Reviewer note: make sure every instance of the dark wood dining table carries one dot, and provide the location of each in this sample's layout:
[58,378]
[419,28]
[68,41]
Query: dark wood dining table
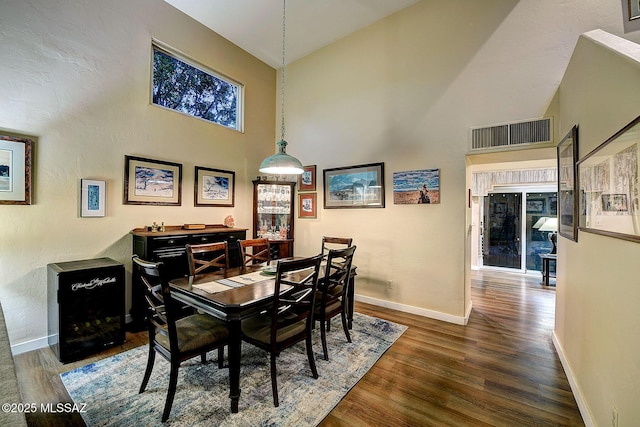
[231,305]
[234,304]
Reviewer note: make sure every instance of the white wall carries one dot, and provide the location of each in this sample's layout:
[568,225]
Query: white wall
[598,282]
[76,76]
[405,91]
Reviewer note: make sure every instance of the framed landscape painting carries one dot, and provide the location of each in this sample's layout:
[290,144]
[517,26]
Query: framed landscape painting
[610,186]
[360,186]
[416,187]
[214,187]
[15,170]
[152,182]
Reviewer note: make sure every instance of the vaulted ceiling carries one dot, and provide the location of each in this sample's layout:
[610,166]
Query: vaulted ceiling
[256,25]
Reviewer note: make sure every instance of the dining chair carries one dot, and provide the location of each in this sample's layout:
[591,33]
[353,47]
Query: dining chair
[175,338]
[289,319]
[329,243]
[207,256]
[332,298]
[255,251]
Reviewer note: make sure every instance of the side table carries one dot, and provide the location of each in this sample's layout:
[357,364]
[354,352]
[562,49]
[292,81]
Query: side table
[546,273]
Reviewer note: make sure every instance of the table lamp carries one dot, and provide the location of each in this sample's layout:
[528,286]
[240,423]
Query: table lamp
[551,225]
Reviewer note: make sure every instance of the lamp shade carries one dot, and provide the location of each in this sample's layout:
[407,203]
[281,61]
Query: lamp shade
[281,163]
[550,224]
[540,222]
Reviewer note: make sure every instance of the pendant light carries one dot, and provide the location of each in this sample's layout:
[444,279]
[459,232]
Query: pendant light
[281,163]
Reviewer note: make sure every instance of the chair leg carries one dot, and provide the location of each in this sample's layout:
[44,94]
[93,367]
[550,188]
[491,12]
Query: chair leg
[344,324]
[312,361]
[221,357]
[323,334]
[329,325]
[203,357]
[274,380]
[173,381]
[147,373]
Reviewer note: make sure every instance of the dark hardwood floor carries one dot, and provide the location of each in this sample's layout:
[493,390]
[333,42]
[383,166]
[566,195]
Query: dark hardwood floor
[500,369]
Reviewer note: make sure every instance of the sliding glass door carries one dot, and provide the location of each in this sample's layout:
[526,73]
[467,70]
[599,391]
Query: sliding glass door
[540,208]
[501,243]
[511,236]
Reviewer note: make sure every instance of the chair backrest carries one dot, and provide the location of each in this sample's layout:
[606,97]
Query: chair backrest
[255,251]
[207,256]
[161,308]
[329,243]
[337,273]
[298,305]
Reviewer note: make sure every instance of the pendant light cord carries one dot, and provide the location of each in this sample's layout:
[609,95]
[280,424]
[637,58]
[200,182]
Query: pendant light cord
[284,8]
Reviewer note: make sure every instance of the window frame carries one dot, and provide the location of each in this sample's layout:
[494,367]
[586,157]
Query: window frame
[174,53]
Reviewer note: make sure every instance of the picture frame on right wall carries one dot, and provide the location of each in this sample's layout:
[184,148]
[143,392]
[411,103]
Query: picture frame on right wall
[567,184]
[609,186]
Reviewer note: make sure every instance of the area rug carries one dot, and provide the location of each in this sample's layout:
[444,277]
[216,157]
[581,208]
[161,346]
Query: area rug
[109,388]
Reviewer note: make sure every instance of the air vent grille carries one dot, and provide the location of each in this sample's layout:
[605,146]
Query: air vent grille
[535,131]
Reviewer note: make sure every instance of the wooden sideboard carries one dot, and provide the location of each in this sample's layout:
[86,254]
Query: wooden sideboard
[168,246]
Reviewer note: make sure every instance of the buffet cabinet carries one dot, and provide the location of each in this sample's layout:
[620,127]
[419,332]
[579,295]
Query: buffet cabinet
[168,246]
[273,214]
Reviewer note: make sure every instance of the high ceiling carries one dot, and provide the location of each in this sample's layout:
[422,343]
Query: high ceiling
[256,25]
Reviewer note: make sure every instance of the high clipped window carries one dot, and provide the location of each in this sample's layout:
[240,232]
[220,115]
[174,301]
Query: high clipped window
[191,89]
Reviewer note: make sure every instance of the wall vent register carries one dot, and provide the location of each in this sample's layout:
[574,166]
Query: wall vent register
[528,132]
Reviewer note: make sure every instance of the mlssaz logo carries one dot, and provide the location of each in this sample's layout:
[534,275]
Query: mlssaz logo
[94,283]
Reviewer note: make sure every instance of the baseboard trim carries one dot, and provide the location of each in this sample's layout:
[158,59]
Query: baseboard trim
[42,342]
[30,346]
[432,314]
[575,389]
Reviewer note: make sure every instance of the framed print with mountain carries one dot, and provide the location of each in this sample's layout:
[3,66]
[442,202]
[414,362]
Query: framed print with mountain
[360,186]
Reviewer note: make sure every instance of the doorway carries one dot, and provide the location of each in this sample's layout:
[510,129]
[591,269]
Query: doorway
[510,234]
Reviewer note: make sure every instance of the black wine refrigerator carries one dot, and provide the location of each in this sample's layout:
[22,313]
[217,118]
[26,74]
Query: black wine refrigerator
[86,307]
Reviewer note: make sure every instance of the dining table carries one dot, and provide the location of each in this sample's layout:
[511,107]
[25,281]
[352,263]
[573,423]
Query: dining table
[233,295]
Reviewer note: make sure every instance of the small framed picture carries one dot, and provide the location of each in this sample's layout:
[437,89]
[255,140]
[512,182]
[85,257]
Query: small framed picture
[92,198]
[307,180]
[15,170]
[307,205]
[152,182]
[535,205]
[214,187]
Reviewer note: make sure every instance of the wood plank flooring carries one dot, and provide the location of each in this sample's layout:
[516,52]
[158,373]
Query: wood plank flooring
[499,370]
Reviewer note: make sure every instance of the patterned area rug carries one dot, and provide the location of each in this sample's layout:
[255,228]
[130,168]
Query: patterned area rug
[109,387]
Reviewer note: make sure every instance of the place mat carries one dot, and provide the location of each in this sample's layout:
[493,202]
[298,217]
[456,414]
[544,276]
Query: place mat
[246,279]
[212,287]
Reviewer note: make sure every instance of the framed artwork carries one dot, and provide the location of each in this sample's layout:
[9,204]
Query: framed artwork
[307,180]
[92,198]
[535,205]
[614,203]
[634,9]
[359,186]
[152,182]
[416,187]
[609,187]
[567,184]
[15,170]
[307,205]
[214,187]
